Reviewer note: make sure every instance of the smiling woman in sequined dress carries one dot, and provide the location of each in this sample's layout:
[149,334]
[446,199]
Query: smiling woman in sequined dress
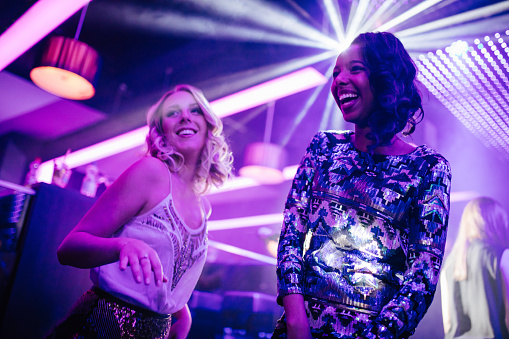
[366,218]
[145,239]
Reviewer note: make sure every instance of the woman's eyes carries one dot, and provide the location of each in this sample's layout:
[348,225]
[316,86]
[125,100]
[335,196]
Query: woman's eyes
[194,111]
[353,69]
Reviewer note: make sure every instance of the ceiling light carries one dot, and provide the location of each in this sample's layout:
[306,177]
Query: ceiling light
[68,67]
[40,19]
[264,161]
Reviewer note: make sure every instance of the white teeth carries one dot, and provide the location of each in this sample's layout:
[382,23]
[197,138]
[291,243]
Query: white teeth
[186,132]
[347,95]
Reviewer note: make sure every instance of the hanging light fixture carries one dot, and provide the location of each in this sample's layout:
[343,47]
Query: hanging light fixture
[264,161]
[68,67]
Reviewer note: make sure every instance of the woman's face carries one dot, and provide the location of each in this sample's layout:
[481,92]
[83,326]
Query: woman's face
[183,123]
[350,86]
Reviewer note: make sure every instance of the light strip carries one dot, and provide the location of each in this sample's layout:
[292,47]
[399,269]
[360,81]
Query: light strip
[252,97]
[16,188]
[242,252]
[408,14]
[257,220]
[37,22]
[269,91]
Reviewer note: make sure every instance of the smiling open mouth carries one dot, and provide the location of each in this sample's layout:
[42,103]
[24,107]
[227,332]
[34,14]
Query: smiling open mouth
[186,131]
[347,97]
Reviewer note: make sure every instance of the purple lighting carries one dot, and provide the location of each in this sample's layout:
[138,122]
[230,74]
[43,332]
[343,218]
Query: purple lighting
[469,80]
[286,85]
[42,18]
[269,91]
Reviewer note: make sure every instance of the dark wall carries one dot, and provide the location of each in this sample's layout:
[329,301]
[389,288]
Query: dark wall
[43,291]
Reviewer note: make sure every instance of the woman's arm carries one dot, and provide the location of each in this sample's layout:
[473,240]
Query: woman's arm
[181,327]
[446,316]
[90,243]
[428,227]
[504,267]
[294,229]
[291,243]
[296,319]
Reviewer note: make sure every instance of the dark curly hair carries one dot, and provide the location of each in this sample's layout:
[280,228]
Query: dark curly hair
[392,78]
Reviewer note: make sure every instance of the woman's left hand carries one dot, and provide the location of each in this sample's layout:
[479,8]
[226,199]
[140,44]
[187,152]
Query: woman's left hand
[180,328]
[143,260]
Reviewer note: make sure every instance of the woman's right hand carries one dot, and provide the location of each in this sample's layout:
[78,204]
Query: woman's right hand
[297,323]
[143,259]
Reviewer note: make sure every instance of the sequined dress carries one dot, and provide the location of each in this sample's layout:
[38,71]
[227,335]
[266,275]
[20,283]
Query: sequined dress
[363,237]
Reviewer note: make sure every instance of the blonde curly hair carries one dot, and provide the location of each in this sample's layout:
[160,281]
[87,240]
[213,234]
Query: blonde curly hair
[215,164]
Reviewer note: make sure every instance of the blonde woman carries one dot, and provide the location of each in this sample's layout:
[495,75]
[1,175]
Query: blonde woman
[145,239]
[474,279]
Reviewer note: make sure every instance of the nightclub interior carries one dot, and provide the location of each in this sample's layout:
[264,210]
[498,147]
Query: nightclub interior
[266,68]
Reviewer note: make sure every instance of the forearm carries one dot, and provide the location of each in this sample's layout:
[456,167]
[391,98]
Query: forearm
[182,325]
[296,318]
[84,250]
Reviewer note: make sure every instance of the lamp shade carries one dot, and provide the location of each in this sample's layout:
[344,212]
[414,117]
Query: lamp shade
[68,69]
[264,162]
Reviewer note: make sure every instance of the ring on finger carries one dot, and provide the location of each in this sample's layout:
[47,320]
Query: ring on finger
[144,257]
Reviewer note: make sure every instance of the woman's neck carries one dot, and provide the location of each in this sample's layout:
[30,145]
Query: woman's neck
[395,147]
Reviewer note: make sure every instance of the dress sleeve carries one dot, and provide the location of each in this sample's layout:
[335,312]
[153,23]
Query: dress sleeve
[428,230]
[294,229]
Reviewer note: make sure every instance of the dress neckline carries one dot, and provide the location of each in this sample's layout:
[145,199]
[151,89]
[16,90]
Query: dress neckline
[348,138]
[201,207]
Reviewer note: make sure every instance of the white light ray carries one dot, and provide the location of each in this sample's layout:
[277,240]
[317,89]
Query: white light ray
[370,23]
[353,25]
[306,107]
[329,108]
[334,16]
[457,19]
[242,252]
[167,22]
[408,14]
[268,15]
[258,75]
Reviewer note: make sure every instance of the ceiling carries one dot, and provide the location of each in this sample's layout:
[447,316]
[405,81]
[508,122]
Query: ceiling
[147,46]
[224,46]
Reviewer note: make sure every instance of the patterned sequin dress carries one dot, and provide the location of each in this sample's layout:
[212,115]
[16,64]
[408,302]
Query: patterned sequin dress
[363,238]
